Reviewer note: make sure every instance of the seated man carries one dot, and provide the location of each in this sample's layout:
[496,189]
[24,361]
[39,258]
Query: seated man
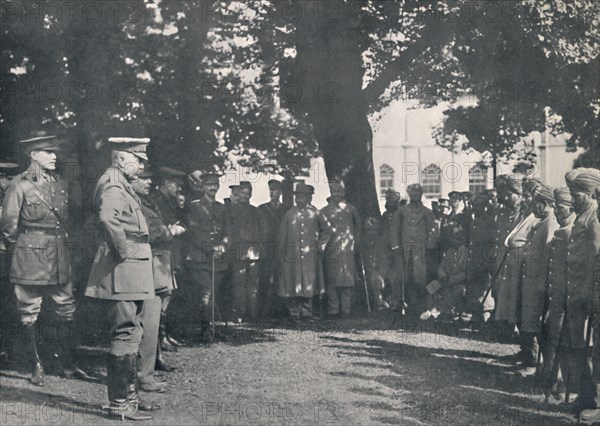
[446,293]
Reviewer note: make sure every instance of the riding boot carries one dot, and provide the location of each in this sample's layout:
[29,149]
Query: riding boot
[122,387]
[37,374]
[162,338]
[161,364]
[133,386]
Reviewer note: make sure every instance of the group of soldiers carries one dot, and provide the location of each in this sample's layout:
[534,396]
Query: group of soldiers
[522,255]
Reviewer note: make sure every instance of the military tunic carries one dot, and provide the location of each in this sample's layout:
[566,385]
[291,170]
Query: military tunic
[301,233]
[122,269]
[34,219]
[536,274]
[582,254]
[414,231]
[557,282]
[171,214]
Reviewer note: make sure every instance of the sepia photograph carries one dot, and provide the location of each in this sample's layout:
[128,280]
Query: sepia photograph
[300,212]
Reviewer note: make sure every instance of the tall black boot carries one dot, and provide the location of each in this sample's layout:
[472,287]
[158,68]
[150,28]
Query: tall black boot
[121,384]
[37,374]
[133,386]
[160,363]
[66,352]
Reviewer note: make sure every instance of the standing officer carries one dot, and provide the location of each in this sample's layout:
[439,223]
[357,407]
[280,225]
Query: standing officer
[165,201]
[392,268]
[246,230]
[160,237]
[122,271]
[206,239]
[413,232]
[34,220]
[272,214]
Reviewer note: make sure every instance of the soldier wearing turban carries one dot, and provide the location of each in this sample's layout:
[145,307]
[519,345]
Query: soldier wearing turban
[582,256]
[535,276]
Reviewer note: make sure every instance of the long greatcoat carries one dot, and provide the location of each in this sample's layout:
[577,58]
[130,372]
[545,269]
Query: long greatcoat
[302,233]
[557,282]
[41,257]
[582,256]
[536,273]
[122,269]
[339,265]
[161,241]
[508,301]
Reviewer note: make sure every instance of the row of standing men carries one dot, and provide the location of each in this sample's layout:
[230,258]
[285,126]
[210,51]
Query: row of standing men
[292,251]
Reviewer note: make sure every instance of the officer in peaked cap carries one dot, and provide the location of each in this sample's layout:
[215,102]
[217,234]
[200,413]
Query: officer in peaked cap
[34,220]
[204,246]
[122,273]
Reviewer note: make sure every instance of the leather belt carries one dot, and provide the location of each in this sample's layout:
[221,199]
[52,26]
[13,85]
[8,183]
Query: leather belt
[44,231]
[137,238]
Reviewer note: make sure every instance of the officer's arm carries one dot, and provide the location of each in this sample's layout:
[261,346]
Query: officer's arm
[157,231]
[11,209]
[111,207]
[325,231]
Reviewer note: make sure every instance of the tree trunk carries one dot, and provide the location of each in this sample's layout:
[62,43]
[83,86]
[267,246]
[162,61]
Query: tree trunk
[329,74]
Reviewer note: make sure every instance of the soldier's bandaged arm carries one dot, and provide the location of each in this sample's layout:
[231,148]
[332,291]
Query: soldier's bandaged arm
[111,207]
[11,211]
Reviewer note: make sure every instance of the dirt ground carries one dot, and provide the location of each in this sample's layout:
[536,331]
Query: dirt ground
[355,371]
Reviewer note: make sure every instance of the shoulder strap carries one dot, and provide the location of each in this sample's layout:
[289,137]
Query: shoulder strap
[41,197]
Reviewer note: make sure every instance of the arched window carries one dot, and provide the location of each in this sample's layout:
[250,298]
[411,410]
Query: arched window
[431,179]
[477,178]
[386,179]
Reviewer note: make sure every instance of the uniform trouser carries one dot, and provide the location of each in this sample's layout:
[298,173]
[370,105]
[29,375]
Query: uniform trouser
[165,299]
[590,380]
[150,320]
[530,347]
[415,278]
[299,306]
[202,281]
[125,319]
[477,285]
[266,289]
[339,300]
[376,286]
[29,301]
[245,289]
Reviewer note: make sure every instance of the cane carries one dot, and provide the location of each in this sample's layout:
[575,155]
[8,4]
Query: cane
[212,313]
[364,275]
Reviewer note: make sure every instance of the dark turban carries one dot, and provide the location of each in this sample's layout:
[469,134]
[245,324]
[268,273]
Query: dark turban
[509,183]
[562,197]
[543,192]
[415,187]
[583,179]
[529,184]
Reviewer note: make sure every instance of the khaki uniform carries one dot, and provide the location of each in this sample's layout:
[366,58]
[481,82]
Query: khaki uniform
[206,229]
[34,219]
[414,231]
[122,270]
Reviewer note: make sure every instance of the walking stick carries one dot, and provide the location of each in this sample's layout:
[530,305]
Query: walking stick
[364,276]
[493,278]
[212,313]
